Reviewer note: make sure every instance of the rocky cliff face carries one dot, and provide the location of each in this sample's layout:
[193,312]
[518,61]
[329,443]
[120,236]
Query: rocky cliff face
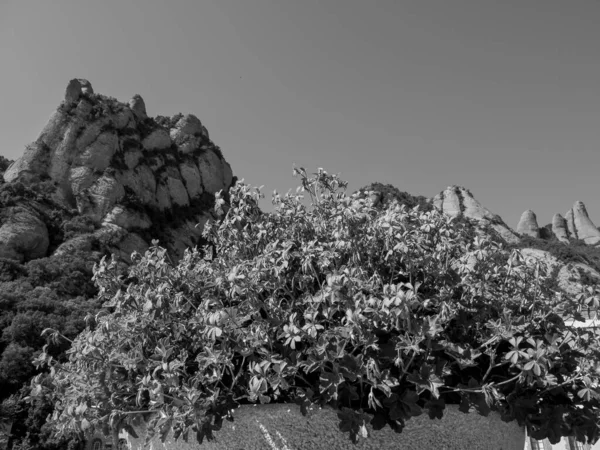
[458,201]
[133,176]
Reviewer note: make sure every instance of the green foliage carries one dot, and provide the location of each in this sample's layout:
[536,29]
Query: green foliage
[168,122]
[384,314]
[102,106]
[55,292]
[30,430]
[389,193]
[78,225]
[52,292]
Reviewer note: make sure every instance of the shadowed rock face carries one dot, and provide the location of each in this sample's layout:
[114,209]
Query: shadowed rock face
[528,224]
[458,201]
[109,161]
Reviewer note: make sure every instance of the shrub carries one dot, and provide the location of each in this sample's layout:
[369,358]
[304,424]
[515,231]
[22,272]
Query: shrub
[383,314]
[78,225]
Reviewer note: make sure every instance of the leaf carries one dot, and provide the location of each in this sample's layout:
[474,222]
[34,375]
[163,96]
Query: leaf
[427,381]
[130,430]
[379,421]
[435,408]
[328,384]
[353,422]
[304,403]
[164,430]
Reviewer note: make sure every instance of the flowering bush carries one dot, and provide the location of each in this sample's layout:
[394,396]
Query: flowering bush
[383,314]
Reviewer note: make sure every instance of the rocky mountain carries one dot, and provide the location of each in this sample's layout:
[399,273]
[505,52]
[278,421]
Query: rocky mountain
[101,178]
[576,225]
[131,176]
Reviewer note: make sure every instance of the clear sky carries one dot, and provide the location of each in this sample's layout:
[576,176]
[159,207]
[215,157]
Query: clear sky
[502,97]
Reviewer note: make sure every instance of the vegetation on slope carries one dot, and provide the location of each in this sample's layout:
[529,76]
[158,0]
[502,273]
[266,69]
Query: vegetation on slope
[576,251]
[388,193]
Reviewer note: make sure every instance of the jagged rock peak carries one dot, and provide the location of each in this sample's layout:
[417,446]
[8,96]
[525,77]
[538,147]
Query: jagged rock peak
[559,228]
[110,162]
[86,86]
[73,91]
[138,106]
[580,225]
[528,224]
[75,88]
[459,201]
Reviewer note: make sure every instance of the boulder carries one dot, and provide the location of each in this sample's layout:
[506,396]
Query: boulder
[191,177]
[528,224]
[163,198]
[177,190]
[188,134]
[158,139]
[97,156]
[23,234]
[214,174]
[189,124]
[559,228]
[124,118]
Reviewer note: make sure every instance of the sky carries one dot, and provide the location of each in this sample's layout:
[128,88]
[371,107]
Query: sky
[500,97]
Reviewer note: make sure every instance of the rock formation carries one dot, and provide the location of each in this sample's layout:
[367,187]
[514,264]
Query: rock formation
[559,228]
[528,224]
[110,162]
[581,226]
[138,106]
[458,201]
[73,91]
[86,86]
[570,220]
